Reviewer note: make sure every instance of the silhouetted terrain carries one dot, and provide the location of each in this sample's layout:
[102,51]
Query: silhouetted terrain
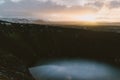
[32,43]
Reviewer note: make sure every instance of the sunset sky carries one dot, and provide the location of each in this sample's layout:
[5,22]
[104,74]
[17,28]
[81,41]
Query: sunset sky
[62,10]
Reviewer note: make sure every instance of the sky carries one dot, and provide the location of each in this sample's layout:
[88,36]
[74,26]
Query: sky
[62,10]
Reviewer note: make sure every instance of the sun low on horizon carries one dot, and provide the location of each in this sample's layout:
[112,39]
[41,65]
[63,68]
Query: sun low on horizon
[62,10]
[85,18]
[72,17]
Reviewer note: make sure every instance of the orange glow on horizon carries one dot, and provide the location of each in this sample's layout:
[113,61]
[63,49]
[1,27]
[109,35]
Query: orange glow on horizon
[86,18]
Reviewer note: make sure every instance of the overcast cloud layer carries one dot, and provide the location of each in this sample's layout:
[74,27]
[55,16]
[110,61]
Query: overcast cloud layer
[46,9]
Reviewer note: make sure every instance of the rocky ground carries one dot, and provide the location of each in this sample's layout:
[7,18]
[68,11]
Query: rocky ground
[12,68]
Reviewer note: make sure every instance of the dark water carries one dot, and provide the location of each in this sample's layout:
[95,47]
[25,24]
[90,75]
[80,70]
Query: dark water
[75,70]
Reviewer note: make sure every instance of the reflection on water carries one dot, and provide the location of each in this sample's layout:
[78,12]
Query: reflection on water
[75,70]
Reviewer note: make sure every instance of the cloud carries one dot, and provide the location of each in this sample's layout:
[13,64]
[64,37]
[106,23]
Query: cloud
[71,3]
[114,4]
[6,1]
[45,8]
[16,0]
[85,3]
[2,1]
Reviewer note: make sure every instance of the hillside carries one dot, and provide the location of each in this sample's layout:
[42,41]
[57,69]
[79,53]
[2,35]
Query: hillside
[35,42]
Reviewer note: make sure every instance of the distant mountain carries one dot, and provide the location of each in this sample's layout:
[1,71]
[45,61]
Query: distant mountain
[2,21]
[5,23]
[17,20]
[23,20]
[101,26]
